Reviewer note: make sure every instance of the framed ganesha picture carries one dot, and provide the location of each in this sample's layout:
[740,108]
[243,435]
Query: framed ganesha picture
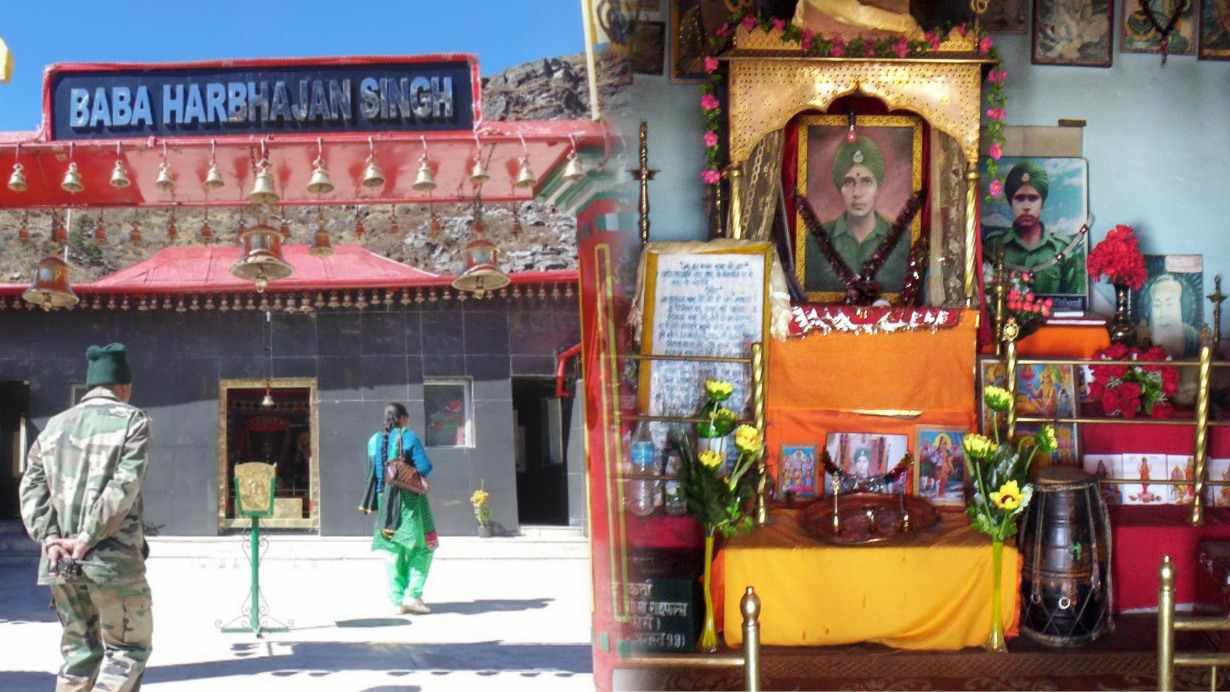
[856,186]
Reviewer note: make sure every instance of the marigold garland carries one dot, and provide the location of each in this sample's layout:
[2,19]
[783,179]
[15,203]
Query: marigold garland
[835,46]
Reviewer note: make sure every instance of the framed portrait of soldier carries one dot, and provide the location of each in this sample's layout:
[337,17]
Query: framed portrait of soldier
[1168,310]
[1214,43]
[1035,215]
[857,187]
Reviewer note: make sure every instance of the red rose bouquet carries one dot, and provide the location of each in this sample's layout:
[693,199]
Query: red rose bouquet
[1130,390]
[1118,258]
[1020,303]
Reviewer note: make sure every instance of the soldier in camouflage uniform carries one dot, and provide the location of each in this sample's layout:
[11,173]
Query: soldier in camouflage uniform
[1029,245]
[81,500]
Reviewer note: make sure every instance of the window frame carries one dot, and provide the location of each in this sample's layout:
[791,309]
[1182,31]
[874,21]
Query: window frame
[467,388]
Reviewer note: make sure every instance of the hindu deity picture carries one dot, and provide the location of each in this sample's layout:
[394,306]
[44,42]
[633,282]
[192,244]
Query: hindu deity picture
[1042,390]
[1168,309]
[1214,30]
[1145,467]
[1140,36]
[1218,495]
[797,471]
[1179,468]
[1106,467]
[939,467]
[1073,32]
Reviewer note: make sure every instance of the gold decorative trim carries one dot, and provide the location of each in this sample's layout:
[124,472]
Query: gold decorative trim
[224,482]
[766,94]
[759,40]
[801,234]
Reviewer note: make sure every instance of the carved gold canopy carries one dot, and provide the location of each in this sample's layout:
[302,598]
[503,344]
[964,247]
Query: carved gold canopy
[771,81]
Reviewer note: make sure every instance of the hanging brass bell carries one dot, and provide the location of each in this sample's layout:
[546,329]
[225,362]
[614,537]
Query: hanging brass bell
[482,273]
[424,180]
[478,173]
[320,184]
[164,181]
[322,243]
[525,175]
[72,179]
[213,177]
[267,401]
[51,288]
[373,177]
[262,187]
[262,257]
[17,179]
[119,175]
[573,170]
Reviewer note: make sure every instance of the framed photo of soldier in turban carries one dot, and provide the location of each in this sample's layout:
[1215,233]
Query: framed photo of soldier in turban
[1036,214]
[856,187]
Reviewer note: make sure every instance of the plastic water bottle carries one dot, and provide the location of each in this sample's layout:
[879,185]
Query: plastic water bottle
[676,502]
[641,493]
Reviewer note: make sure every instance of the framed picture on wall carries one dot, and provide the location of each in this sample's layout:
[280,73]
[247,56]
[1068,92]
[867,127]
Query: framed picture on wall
[796,472]
[1073,32]
[1214,42]
[1006,17]
[1037,221]
[939,465]
[1043,390]
[648,48]
[1168,309]
[856,189]
[1140,36]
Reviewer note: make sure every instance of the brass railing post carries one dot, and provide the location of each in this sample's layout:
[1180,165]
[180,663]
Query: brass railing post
[1000,288]
[734,227]
[1202,425]
[758,401]
[971,231]
[1011,330]
[749,605]
[1165,626]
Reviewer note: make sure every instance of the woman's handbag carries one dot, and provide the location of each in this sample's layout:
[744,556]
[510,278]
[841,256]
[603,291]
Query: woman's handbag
[403,475]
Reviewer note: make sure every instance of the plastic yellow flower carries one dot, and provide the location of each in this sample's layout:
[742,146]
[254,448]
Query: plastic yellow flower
[711,458]
[997,398]
[723,415]
[479,498]
[747,439]
[718,390]
[978,446]
[1008,496]
[1047,442]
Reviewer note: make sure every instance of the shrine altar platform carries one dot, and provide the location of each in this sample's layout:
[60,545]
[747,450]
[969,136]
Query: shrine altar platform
[932,591]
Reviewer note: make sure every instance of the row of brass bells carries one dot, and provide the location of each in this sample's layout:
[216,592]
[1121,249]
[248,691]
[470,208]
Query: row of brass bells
[263,191]
[51,288]
[262,257]
[320,183]
[478,173]
[213,177]
[164,181]
[424,180]
[525,175]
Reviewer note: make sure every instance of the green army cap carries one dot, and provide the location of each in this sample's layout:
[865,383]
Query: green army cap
[1026,173]
[861,150]
[107,365]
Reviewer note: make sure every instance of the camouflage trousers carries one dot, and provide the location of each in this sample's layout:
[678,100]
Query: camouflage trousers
[108,632]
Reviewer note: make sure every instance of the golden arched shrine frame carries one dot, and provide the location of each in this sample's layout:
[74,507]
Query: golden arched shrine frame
[771,81]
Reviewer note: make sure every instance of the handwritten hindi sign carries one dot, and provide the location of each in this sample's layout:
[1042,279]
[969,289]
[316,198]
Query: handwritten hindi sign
[703,304]
[663,614]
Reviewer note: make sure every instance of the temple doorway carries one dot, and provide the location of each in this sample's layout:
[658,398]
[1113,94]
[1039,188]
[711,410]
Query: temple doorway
[540,427]
[14,408]
[275,424]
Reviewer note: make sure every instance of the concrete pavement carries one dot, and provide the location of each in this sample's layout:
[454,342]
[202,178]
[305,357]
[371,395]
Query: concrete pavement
[509,613]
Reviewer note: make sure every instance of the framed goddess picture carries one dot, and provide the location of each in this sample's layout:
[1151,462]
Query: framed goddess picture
[856,189]
[939,465]
[1036,217]
[796,471]
[1073,32]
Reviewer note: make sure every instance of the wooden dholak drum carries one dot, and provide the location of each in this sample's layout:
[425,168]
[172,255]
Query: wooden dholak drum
[1067,597]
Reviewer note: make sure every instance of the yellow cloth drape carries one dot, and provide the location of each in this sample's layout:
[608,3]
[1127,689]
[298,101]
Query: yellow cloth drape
[931,593]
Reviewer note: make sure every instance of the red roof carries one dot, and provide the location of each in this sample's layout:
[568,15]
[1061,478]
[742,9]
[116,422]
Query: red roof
[207,269]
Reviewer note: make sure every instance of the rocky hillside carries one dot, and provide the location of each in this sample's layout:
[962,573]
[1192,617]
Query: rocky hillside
[548,89]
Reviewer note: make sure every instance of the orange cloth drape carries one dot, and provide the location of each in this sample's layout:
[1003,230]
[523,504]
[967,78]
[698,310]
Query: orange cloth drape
[932,593]
[1064,341]
[816,382]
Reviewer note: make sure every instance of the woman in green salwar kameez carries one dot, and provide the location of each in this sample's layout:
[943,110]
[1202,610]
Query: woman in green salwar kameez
[405,529]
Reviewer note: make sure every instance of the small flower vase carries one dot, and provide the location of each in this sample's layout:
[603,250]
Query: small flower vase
[708,634]
[1120,326]
[484,530]
[995,642]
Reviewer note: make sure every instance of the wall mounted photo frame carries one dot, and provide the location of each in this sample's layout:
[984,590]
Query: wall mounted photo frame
[879,172]
[647,49]
[1079,33]
[1139,36]
[1214,37]
[1006,17]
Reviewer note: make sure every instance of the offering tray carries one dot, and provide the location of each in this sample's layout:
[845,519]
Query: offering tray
[864,518]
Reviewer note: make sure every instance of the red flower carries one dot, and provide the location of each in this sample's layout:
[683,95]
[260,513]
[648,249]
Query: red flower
[1163,411]
[1129,407]
[711,176]
[984,46]
[869,48]
[933,40]
[901,47]
[1096,389]
[749,22]
[963,29]
[1118,258]
[1110,402]
[723,31]
[779,24]
[996,188]
[1114,352]
[1155,353]
[1129,390]
[1170,380]
[805,41]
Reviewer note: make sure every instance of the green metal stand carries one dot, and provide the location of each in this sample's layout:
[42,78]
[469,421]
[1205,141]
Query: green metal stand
[258,621]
